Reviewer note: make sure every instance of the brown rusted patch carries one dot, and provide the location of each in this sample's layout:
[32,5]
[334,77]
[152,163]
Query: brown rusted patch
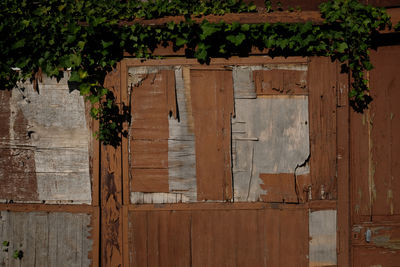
[280,82]
[152,101]
[282,187]
[212,104]
[17,158]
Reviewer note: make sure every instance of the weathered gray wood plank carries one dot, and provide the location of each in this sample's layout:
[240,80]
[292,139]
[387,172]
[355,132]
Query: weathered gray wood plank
[322,231]
[48,130]
[269,135]
[46,239]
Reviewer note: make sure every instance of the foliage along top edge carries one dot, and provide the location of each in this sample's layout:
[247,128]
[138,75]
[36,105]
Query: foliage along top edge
[87,37]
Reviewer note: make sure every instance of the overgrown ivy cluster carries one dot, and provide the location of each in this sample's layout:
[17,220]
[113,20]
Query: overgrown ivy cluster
[90,37]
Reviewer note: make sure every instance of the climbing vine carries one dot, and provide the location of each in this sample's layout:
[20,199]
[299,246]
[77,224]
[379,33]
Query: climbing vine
[90,37]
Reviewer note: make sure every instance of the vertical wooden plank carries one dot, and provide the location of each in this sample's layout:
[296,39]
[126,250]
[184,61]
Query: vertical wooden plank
[212,104]
[138,233]
[385,131]
[125,99]
[149,129]
[179,232]
[343,169]
[293,237]
[249,240]
[213,235]
[322,110]
[94,253]
[111,190]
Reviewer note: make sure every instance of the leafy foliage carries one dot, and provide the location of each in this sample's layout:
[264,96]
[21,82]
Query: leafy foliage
[89,37]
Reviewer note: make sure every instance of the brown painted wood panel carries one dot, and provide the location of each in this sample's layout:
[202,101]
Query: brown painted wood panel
[375,146]
[385,131]
[212,105]
[152,101]
[370,256]
[322,82]
[280,82]
[284,187]
[222,237]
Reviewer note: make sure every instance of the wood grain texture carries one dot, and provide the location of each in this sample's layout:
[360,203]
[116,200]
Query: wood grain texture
[385,131]
[269,135]
[284,187]
[343,170]
[181,142]
[153,98]
[48,134]
[46,239]
[323,236]
[17,157]
[322,82]
[111,190]
[223,237]
[212,104]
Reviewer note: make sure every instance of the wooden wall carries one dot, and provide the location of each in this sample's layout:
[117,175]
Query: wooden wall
[46,177]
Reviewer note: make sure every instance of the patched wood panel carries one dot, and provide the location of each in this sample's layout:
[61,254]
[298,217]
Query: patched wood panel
[46,239]
[181,142]
[45,137]
[271,136]
[222,237]
[284,187]
[152,101]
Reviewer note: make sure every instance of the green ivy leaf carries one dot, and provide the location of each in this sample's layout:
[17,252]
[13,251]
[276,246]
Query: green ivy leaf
[236,39]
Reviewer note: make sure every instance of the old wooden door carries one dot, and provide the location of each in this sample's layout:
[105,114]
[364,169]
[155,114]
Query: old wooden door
[375,167]
[228,164]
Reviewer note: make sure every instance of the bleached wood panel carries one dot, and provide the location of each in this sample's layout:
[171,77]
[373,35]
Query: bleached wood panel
[269,135]
[47,129]
[46,239]
[322,231]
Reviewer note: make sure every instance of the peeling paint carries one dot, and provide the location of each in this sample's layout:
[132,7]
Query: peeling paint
[58,136]
[389,200]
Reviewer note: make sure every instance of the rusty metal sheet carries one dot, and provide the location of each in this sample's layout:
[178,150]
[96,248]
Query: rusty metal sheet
[212,105]
[280,82]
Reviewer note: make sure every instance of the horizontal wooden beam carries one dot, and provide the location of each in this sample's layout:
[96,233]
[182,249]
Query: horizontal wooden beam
[252,18]
[313,205]
[27,207]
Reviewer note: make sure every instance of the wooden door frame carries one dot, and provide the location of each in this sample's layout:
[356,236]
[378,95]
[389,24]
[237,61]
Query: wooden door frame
[114,215]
